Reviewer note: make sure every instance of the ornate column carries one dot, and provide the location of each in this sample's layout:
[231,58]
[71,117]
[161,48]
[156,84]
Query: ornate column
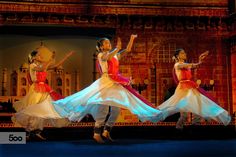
[233,74]
[233,66]
[4,82]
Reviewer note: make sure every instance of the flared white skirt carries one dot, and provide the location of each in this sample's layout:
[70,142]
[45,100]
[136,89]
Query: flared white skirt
[37,116]
[191,100]
[104,91]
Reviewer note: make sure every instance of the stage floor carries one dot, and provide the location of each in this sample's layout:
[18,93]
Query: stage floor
[123,148]
[138,140]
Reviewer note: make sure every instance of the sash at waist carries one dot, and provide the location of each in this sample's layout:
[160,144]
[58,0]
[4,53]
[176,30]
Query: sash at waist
[187,84]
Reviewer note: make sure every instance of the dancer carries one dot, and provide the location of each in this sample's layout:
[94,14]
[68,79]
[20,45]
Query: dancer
[188,97]
[103,124]
[111,89]
[40,60]
[34,110]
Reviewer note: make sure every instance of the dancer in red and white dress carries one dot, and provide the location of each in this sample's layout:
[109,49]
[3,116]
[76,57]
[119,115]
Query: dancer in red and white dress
[188,97]
[35,110]
[112,89]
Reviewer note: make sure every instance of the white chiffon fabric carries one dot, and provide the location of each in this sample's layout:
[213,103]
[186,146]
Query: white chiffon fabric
[37,116]
[104,91]
[191,100]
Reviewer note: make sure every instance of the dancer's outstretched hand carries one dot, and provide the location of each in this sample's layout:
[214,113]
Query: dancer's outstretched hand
[133,36]
[118,45]
[70,53]
[203,56]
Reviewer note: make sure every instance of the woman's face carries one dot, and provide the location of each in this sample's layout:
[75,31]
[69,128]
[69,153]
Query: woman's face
[182,55]
[106,45]
[37,57]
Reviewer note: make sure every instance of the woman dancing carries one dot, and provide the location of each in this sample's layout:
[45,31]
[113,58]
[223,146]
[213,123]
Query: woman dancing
[112,89]
[188,97]
[35,109]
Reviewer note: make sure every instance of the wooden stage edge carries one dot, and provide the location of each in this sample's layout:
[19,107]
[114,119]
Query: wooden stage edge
[123,124]
[138,130]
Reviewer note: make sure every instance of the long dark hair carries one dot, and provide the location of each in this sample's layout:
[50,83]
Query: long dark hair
[100,43]
[31,56]
[177,51]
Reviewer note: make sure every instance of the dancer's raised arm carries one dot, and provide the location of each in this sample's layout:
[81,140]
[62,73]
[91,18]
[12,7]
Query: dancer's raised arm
[52,66]
[130,44]
[182,64]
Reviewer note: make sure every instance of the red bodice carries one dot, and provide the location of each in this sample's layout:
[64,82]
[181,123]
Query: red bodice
[113,71]
[41,76]
[185,79]
[40,84]
[185,74]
